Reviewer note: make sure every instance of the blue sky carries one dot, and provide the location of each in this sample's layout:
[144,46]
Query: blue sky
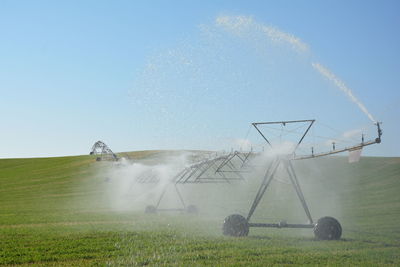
[163,75]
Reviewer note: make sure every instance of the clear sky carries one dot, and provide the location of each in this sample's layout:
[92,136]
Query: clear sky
[185,75]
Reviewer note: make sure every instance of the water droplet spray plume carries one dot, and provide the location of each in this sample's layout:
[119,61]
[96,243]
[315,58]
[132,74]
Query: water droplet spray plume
[342,86]
[240,24]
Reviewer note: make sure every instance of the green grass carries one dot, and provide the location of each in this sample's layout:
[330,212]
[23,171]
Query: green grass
[54,211]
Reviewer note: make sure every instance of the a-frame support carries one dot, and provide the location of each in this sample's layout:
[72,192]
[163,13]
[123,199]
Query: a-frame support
[179,196]
[287,165]
[268,177]
[326,228]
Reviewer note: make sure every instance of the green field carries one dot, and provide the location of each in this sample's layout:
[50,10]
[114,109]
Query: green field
[56,211]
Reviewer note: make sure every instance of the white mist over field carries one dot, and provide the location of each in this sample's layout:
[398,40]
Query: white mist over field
[134,185]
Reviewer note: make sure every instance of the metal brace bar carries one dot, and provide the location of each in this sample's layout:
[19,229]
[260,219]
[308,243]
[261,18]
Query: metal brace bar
[180,197]
[269,175]
[296,185]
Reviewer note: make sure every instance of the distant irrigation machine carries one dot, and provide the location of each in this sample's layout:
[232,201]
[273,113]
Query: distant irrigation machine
[103,152]
[326,228]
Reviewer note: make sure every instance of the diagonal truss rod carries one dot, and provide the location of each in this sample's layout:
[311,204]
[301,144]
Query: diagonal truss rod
[305,133]
[255,124]
[269,176]
[296,185]
[263,136]
[177,192]
[246,158]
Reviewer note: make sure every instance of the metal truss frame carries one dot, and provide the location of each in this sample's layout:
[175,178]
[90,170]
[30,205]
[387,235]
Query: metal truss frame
[100,148]
[286,162]
[220,169]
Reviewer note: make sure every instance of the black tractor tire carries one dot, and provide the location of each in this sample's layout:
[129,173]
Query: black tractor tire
[328,228]
[235,225]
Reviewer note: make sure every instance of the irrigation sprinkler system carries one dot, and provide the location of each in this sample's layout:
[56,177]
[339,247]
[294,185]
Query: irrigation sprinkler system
[326,228]
[103,152]
[235,166]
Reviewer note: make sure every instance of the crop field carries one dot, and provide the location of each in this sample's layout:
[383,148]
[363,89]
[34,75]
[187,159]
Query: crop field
[57,211]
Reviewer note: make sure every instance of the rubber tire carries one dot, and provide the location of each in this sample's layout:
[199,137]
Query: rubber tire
[150,210]
[191,209]
[328,228]
[235,225]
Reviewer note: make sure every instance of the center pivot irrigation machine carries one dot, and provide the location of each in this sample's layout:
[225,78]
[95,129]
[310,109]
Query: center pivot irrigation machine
[326,228]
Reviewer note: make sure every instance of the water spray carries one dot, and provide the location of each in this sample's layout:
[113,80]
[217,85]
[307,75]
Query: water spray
[240,25]
[342,86]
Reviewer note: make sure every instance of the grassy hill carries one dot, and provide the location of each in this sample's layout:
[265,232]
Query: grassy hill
[57,211]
